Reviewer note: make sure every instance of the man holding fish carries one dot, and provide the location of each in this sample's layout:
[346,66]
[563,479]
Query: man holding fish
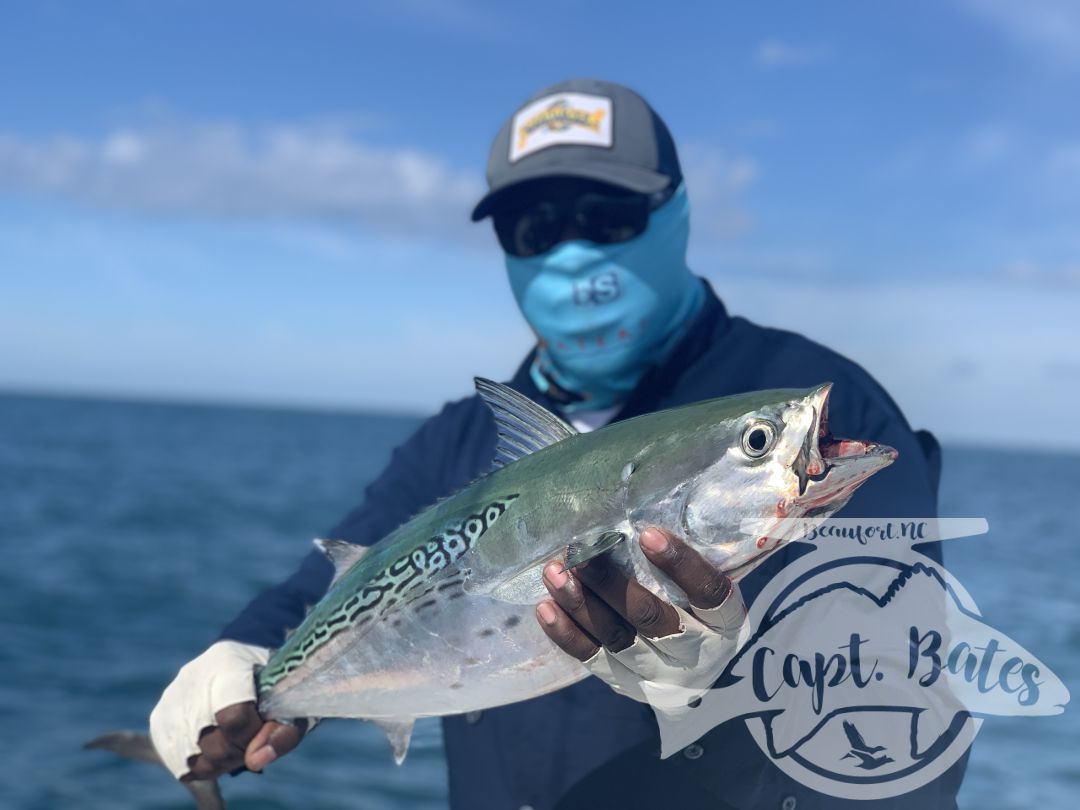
[588,203]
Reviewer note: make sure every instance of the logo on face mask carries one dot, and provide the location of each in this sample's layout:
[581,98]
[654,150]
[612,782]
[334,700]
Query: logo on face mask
[598,289]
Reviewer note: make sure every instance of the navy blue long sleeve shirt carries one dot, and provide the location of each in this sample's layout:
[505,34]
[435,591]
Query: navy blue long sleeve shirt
[599,749]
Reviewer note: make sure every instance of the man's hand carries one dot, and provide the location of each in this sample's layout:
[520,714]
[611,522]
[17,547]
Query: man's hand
[627,635]
[205,723]
[242,739]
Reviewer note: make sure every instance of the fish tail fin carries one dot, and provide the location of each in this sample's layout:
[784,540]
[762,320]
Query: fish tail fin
[127,744]
[133,745]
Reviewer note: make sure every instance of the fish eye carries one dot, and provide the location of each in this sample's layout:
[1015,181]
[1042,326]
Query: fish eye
[758,439]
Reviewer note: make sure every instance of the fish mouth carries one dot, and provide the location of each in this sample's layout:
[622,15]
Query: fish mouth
[829,468]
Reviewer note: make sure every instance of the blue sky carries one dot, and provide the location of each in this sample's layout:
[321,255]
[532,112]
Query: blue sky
[268,202]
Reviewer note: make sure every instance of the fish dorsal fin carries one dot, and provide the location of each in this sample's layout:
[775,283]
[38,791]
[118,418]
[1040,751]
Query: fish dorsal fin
[342,554]
[523,426]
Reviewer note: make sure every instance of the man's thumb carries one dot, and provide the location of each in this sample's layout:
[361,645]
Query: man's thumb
[273,740]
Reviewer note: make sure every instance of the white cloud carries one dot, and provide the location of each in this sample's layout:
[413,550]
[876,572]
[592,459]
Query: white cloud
[453,16]
[1064,158]
[1027,271]
[971,362]
[715,181]
[320,174]
[315,173]
[1036,169]
[1046,28]
[775,53]
[987,145]
[124,148]
[779,263]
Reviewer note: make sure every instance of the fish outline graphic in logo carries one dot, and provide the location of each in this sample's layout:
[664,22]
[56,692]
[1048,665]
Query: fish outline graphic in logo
[866,672]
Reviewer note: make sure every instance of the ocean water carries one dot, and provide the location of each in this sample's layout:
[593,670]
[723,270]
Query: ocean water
[132,531]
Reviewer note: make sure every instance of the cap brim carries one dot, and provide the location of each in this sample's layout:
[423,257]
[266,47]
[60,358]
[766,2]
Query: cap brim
[633,178]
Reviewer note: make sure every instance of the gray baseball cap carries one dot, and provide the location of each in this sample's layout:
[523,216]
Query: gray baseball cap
[585,128]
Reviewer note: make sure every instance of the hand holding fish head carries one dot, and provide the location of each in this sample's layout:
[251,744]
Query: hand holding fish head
[625,634]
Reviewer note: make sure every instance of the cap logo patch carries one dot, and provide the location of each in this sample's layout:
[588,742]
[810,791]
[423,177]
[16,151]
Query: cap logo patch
[564,118]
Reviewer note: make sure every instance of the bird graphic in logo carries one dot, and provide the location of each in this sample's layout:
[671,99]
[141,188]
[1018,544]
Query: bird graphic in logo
[862,751]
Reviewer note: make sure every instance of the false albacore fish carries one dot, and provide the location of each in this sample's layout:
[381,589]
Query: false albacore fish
[437,618]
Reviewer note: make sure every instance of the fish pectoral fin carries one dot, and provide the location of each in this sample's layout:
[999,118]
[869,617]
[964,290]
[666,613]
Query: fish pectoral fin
[342,554]
[578,553]
[399,732]
[523,426]
[526,585]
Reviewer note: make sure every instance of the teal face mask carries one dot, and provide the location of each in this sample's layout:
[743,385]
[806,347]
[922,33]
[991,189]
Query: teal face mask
[603,314]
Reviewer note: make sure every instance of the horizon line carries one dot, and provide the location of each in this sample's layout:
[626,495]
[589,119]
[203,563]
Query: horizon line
[393,411]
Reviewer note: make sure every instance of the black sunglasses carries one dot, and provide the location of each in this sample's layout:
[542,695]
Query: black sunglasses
[602,217]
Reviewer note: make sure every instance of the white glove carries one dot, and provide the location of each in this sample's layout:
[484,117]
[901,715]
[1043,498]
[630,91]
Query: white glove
[691,658]
[220,677]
